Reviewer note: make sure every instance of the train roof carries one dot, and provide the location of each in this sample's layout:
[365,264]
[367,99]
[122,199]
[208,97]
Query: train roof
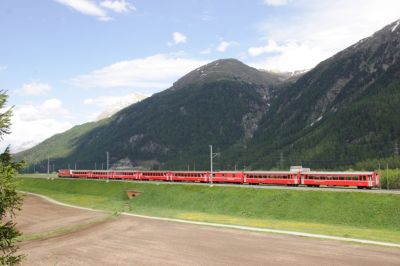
[270,172]
[338,173]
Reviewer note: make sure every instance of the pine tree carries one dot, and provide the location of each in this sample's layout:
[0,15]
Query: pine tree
[10,201]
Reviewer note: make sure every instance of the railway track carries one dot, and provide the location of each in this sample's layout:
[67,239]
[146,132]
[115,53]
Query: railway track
[304,188]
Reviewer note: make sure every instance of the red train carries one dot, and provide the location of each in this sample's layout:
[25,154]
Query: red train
[290,178]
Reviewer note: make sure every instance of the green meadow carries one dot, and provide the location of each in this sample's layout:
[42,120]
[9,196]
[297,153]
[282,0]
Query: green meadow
[350,214]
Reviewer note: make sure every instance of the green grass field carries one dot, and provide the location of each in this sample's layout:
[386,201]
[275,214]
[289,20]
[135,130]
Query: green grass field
[358,215]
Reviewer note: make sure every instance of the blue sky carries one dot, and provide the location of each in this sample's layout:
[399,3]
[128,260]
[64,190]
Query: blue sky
[64,62]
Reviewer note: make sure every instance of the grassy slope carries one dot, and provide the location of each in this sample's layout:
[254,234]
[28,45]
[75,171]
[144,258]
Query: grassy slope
[362,215]
[59,145]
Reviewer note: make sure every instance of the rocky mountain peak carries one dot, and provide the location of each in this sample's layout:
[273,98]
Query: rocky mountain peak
[227,69]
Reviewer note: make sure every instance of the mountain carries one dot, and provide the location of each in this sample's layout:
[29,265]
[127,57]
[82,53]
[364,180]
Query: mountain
[116,104]
[341,114]
[220,104]
[229,69]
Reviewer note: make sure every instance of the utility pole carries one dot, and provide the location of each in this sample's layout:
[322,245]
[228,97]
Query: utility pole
[396,148]
[75,165]
[387,176]
[212,155]
[281,160]
[48,165]
[108,164]
[95,165]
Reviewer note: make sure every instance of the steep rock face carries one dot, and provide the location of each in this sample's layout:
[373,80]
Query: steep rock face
[345,76]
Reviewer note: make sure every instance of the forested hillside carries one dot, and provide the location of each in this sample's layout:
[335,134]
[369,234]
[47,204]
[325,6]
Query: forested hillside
[344,113]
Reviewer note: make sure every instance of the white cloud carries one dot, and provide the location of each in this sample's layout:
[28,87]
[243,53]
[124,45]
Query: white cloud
[31,124]
[52,104]
[153,72]
[118,6]
[318,30]
[271,47]
[275,2]
[223,46]
[291,56]
[50,107]
[34,88]
[177,38]
[106,101]
[112,104]
[86,7]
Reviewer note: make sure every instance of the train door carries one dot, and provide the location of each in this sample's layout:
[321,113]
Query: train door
[369,180]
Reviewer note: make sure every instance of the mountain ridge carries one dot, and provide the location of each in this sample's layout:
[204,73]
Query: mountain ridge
[328,117]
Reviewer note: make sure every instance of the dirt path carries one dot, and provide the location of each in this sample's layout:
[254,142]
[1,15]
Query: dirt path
[139,241]
[38,215]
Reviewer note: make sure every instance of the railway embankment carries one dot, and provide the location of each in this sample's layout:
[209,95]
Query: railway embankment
[360,215]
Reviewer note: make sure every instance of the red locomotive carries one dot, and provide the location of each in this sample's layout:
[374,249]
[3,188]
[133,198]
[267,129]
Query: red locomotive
[290,178]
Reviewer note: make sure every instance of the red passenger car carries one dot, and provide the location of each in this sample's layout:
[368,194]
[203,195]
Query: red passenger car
[100,174]
[155,175]
[123,175]
[273,178]
[81,173]
[228,177]
[191,176]
[345,179]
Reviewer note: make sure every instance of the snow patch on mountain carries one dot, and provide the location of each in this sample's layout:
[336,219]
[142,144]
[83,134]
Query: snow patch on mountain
[113,105]
[395,26]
